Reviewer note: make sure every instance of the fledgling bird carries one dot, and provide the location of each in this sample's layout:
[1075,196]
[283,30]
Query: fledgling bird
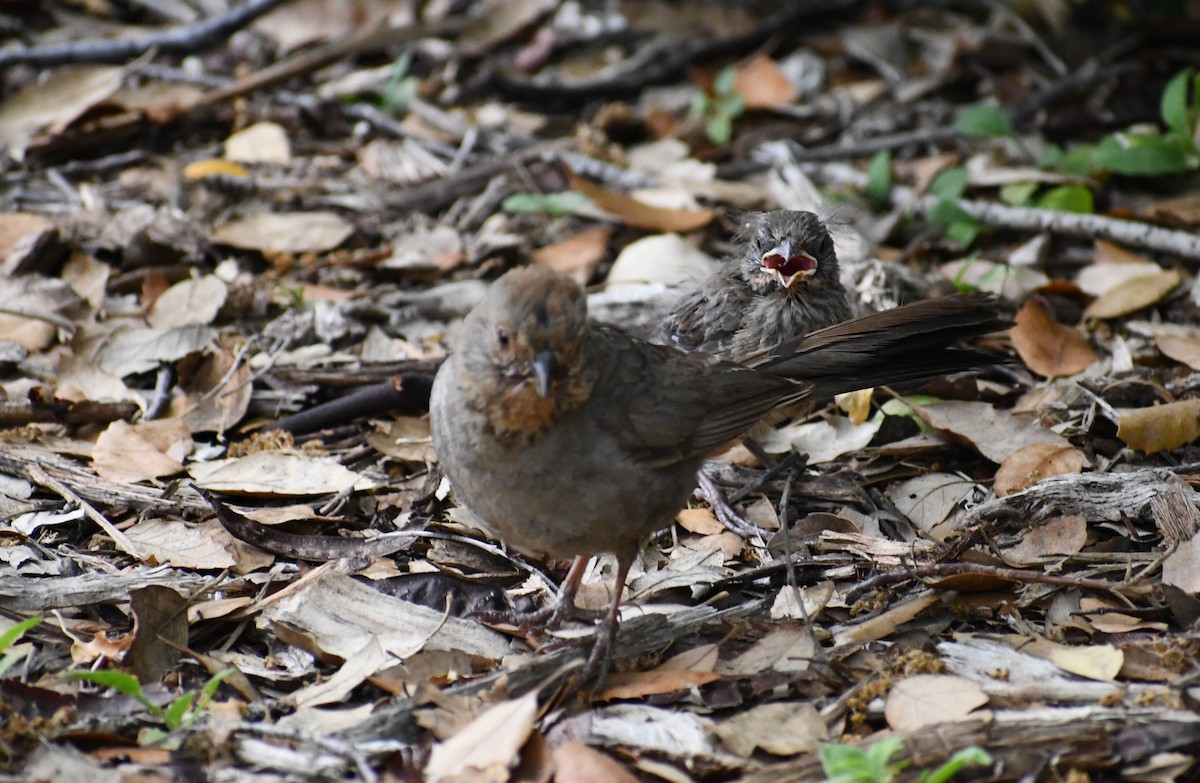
[569,439]
[782,284]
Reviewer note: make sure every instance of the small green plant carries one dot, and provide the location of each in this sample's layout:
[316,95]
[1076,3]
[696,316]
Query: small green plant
[556,204]
[401,88]
[949,187]
[879,177]
[10,637]
[180,713]
[847,764]
[1146,153]
[720,109]
[983,120]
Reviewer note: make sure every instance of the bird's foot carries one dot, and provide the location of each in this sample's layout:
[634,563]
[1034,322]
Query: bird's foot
[552,616]
[724,512]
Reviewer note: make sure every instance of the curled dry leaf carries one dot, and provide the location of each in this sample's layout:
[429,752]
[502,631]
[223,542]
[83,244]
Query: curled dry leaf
[1133,295]
[1047,347]
[637,685]
[487,747]
[53,103]
[928,699]
[1160,428]
[638,213]
[1026,467]
[1183,348]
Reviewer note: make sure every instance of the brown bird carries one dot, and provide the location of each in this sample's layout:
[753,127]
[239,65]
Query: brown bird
[782,284]
[568,439]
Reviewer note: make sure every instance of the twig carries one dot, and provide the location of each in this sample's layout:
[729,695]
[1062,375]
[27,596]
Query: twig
[162,392]
[1131,233]
[123,543]
[1011,574]
[1028,34]
[179,40]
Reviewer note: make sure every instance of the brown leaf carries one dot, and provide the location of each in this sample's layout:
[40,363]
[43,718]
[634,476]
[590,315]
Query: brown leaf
[1047,347]
[638,213]
[132,453]
[575,762]
[577,256]
[53,103]
[1059,536]
[487,747]
[291,232]
[1135,294]
[1160,428]
[160,630]
[928,699]
[1026,467]
[636,685]
[1184,349]
[762,85]
[994,433]
[1181,569]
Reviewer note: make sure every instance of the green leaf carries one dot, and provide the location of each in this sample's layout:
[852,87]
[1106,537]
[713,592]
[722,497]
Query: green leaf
[731,106]
[9,660]
[700,105]
[1079,160]
[719,129]
[1175,102]
[557,204]
[983,120]
[210,688]
[973,755]
[879,175]
[108,678]
[963,232]
[1051,156]
[11,635]
[1018,194]
[725,80]
[173,715]
[950,184]
[1068,198]
[1140,155]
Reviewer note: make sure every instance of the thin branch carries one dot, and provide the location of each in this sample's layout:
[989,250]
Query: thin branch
[178,40]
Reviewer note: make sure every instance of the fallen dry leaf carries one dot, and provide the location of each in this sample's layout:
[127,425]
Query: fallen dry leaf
[487,747]
[1181,569]
[762,85]
[279,474]
[1064,535]
[288,232]
[995,434]
[577,256]
[575,762]
[638,213]
[1184,349]
[1047,347]
[1133,295]
[54,102]
[929,699]
[192,301]
[664,258]
[131,453]
[262,142]
[1026,467]
[780,728]
[1161,427]
[636,685]
[1096,662]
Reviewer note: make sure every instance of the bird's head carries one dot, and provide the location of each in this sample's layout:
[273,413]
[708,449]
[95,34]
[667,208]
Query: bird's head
[789,251]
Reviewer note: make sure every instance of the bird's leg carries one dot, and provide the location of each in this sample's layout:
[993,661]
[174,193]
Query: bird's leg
[600,660]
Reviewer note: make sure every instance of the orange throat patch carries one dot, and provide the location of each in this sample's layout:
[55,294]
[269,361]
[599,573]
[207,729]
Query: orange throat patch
[523,412]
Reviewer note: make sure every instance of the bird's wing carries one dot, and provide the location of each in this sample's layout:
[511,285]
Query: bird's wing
[666,406]
[708,318]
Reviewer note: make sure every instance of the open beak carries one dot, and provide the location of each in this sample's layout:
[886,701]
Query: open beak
[544,365]
[788,268]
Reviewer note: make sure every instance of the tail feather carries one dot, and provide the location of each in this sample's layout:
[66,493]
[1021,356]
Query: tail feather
[906,343]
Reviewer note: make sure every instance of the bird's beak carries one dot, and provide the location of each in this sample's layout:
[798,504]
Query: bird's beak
[786,267]
[544,365]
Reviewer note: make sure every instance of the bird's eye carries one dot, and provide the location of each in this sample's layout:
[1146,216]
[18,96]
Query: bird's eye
[502,337]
